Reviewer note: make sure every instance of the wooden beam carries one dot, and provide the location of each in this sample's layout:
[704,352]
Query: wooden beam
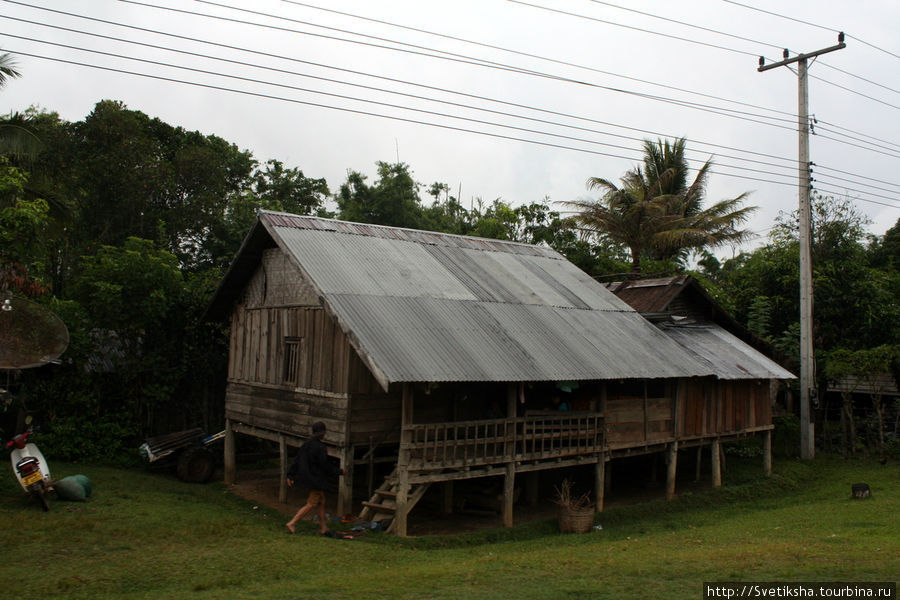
[345,482]
[509,493]
[600,482]
[230,470]
[283,468]
[672,465]
[402,502]
[715,449]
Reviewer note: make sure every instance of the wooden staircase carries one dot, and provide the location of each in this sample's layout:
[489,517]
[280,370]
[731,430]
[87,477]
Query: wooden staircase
[383,503]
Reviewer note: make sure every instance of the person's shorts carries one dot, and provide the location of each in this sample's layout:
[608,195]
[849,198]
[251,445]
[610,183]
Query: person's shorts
[315,498]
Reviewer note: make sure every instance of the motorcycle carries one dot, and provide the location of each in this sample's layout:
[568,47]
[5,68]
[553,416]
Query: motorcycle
[30,467]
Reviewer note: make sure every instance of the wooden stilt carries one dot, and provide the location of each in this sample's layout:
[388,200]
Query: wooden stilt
[672,465]
[767,453]
[345,483]
[715,452]
[400,524]
[283,468]
[509,489]
[600,482]
[229,457]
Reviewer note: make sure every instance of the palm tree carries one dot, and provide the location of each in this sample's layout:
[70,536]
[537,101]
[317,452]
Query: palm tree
[7,69]
[16,137]
[656,213]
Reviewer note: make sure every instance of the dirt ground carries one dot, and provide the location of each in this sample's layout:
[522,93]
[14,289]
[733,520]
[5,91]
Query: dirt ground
[261,487]
[474,509]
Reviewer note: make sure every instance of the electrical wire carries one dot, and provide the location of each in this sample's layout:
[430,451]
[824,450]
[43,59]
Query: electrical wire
[691,41]
[395,106]
[774,14]
[568,138]
[254,65]
[534,56]
[716,171]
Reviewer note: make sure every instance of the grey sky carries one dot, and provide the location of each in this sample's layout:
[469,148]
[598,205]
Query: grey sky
[587,94]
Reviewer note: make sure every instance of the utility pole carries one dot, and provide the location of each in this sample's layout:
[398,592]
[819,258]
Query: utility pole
[807,358]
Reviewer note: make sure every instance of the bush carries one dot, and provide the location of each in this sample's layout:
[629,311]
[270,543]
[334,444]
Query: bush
[787,435]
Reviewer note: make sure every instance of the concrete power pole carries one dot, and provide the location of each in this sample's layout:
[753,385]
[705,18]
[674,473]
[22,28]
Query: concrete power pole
[807,359]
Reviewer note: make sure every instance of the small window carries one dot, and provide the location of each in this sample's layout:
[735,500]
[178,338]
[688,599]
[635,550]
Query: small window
[293,347]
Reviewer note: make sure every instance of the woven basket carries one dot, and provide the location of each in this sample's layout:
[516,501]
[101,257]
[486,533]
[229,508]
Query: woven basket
[576,520]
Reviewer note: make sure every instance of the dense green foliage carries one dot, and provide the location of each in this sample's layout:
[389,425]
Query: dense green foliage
[123,225]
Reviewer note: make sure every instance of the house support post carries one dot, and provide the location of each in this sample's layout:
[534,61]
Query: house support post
[600,481]
[282,468]
[345,482]
[767,453]
[715,452]
[509,481]
[402,507]
[672,465]
[229,454]
[509,494]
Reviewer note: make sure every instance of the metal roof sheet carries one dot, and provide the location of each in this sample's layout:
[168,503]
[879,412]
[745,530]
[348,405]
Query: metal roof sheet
[429,339]
[727,356]
[436,307]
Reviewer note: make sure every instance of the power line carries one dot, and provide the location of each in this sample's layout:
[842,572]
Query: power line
[529,55]
[397,106]
[368,101]
[395,80]
[690,41]
[780,16]
[398,118]
[640,29]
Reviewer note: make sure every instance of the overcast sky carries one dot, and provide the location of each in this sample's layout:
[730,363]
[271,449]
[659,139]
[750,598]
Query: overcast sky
[525,102]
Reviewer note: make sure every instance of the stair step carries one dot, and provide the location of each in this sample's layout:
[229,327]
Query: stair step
[380,507]
[387,493]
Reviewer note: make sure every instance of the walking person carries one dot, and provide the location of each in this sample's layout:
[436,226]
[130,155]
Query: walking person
[311,469]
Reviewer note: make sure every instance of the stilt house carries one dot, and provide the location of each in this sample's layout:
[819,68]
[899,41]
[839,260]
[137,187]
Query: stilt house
[448,357]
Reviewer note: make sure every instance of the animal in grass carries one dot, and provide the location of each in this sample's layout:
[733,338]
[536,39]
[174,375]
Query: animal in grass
[861,490]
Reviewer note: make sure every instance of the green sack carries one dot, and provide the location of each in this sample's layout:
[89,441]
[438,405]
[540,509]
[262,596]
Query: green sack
[85,483]
[69,488]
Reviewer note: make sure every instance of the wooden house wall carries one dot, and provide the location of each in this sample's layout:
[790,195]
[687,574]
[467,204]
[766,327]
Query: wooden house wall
[711,407]
[639,412]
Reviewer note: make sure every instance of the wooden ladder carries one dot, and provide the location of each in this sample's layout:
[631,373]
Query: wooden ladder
[383,503]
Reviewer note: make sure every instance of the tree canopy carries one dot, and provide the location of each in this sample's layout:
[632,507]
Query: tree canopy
[657,214]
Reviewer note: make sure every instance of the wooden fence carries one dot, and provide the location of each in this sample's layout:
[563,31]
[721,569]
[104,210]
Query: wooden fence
[493,441]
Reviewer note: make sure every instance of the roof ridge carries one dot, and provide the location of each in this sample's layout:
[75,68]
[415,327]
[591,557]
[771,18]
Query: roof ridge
[543,249]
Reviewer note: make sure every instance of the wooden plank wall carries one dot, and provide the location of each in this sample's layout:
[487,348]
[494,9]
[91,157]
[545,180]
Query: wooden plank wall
[292,412]
[631,419]
[257,349]
[712,407]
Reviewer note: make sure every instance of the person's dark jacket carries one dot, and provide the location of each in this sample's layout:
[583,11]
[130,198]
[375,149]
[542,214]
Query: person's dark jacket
[311,467]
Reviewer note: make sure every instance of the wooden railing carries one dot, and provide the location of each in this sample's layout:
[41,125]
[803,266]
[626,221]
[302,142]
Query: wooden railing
[494,441]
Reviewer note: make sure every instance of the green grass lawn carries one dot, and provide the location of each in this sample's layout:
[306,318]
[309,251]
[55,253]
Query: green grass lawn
[146,535]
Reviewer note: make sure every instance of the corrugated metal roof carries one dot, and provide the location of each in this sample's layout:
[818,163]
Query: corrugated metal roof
[727,356]
[436,307]
[649,295]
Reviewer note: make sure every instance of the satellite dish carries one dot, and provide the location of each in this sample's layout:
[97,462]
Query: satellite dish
[31,335]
